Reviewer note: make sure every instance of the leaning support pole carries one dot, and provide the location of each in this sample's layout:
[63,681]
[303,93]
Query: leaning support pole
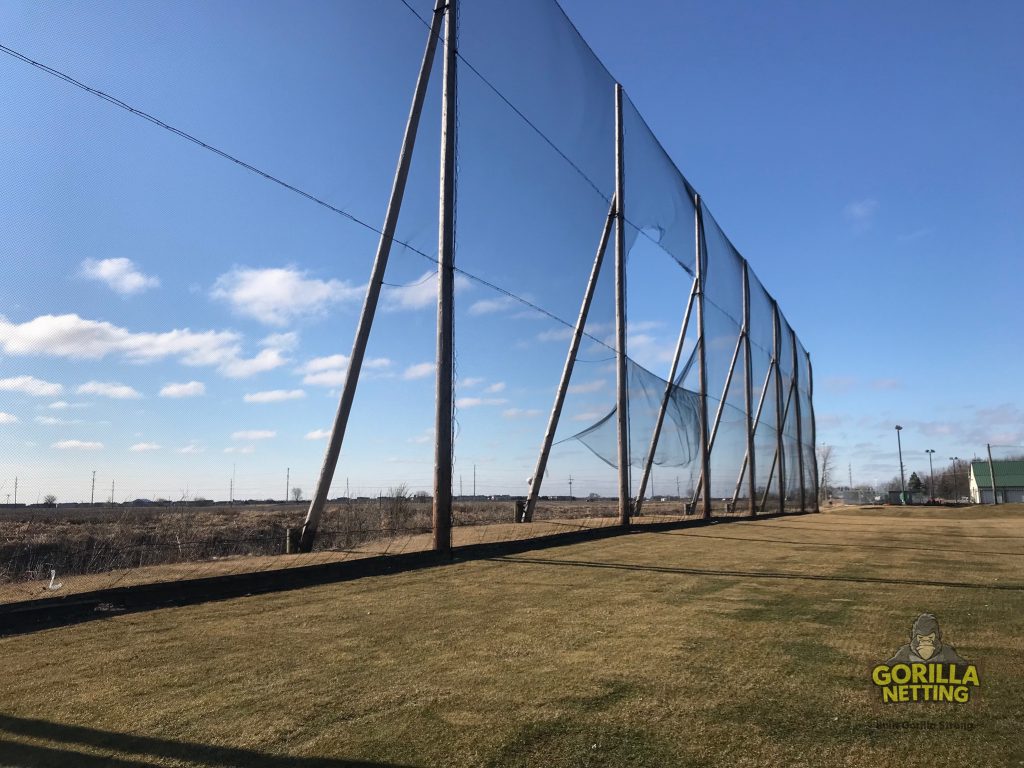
[748,390]
[757,420]
[780,417]
[702,367]
[670,385]
[380,262]
[721,407]
[778,458]
[570,362]
[814,433]
[799,424]
[442,513]
[992,476]
[621,381]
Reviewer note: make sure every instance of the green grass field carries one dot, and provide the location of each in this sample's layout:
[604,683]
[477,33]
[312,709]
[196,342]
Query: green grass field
[737,644]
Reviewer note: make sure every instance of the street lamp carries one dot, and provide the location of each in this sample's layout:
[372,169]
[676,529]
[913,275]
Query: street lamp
[955,460]
[931,473]
[903,484]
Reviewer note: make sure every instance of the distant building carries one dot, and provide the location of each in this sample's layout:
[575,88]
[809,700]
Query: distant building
[1009,481]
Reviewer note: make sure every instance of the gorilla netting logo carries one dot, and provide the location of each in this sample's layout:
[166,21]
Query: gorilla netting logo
[926,669]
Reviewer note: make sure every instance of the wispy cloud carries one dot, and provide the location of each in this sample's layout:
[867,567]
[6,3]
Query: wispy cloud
[110,389]
[495,388]
[120,275]
[30,385]
[8,418]
[419,294]
[144,447]
[521,413]
[861,211]
[276,296]
[186,389]
[318,434]
[475,402]
[418,371]
[76,338]
[492,306]
[191,448]
[253,434]
[330,371]
[274,396]
[77,445]
[587,387]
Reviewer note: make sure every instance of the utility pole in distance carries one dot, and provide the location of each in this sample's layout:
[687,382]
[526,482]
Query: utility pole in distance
[570,487]
[287,482]
[92,493]
[15,490]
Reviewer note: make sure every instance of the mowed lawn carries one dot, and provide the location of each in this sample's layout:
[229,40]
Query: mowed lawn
[736,644]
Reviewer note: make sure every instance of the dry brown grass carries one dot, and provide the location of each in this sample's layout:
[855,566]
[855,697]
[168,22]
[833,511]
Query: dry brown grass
[744,644]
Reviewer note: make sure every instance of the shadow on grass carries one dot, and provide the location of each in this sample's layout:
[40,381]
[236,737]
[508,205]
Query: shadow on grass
[142,750]
[757,574]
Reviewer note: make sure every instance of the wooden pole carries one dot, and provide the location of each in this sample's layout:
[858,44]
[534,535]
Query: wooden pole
[570,362]
[721,408]
[799,423]
[748,391]
[373,288]
[702,368]
[669,387]
[757,421]
[621,381]
[777,459]
[992,475]
[780,419]
[442,512]
[814,433]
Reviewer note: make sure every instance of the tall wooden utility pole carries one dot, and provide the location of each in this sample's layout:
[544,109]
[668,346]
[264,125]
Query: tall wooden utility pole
[373,288]
[702,366]
[442,513]
[621,380]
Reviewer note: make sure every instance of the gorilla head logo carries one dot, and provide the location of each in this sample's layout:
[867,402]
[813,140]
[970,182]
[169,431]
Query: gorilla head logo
[926,645]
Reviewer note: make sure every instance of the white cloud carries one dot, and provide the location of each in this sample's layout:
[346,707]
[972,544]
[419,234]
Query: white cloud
[491,306]
[861,210]
[30,385]
[144,447]
[418,371]
[120,275]
[498,386]
[253,434]
[191,448]
[187,389]
[62,405]
[50,421]
[471,381]
[274,396]
[109,389]
[330,371]
[282,341]
[590,416]
[420,294]
[76,338]
[318,434]
[242,449]
[427,436]
[473,402]
[8,418]
[521,413]
[276,296]
[556,334]
[77,445]
[591,386]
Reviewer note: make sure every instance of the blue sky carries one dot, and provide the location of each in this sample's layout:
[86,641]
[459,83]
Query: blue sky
[170,319]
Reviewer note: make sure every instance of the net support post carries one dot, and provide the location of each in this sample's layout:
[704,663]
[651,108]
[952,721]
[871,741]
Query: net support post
[669,386]
[992,475]
[441,529]
[780,417]
[814,434]
[757,421]
[721,405]
[799,423]
[570,363]
[621,381]
[373,288]
[748,391]
[702,368]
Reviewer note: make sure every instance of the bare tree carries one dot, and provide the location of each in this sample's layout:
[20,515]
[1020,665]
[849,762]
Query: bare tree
[296,494]
[49,499]
[825,462]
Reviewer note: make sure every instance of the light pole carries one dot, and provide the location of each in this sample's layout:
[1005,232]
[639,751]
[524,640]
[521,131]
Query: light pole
[955,460]
[931,475]
[903,484]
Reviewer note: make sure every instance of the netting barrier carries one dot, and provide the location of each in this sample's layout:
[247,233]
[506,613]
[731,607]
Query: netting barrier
[195,201]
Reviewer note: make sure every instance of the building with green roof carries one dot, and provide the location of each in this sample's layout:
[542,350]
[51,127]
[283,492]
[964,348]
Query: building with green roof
[1009,481]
